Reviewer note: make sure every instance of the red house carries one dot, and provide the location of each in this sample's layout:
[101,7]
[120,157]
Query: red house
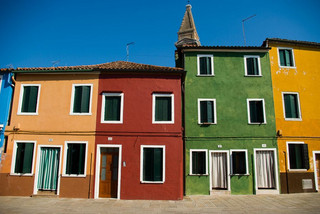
[139,145]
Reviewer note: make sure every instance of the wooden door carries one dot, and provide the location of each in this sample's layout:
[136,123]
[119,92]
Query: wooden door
[105,175]
[108,180]
[318,169]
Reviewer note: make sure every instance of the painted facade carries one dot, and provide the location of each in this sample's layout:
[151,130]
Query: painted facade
[6,89]
[125,136]
[50,147]
[295,74]
[227,149]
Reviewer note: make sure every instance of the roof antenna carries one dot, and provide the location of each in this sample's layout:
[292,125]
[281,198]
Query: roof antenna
[130,43]
[55,62]
[244,35]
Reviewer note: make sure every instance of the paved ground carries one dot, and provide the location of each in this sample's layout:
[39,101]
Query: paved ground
[293,203]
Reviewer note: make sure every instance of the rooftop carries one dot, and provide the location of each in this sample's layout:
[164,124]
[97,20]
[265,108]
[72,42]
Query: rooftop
[291,42]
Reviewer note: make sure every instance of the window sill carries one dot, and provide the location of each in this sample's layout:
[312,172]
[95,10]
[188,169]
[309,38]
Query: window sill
[293,119]
[257,123]
[73,176]
[253,75]
[22,113]
[151,182]
[297,170]
[162,122]
[20,174]
[239,174]
[207,123]
[205,75]
[80,114]
[112,122]
[294,67]
[198,174]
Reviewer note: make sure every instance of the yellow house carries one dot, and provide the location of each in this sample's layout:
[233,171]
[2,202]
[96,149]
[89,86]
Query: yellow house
[295,69]
[51,136]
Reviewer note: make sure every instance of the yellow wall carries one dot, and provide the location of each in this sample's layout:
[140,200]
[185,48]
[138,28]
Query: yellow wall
[53,125]
[304,79]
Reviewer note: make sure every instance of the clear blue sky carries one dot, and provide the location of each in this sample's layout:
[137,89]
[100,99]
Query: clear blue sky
[34,33]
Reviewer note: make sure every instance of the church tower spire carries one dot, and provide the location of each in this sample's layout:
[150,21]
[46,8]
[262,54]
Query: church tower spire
[187,34]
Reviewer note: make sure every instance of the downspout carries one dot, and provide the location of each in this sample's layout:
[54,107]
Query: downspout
[285,164]
[13,80]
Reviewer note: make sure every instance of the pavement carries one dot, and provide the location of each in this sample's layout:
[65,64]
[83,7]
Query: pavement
[283,203]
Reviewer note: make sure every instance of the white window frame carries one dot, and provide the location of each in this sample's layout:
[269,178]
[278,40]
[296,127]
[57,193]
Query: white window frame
[284,48]
[245,66]
[72,99]
[154,96]
[284,108]
[231,163]
[21,99]
[64,174]
[121,95]
[214,112]
[198,65]
[163,163]
[315,169]
[13,162]
[264,110]
[288,155]
[206,166]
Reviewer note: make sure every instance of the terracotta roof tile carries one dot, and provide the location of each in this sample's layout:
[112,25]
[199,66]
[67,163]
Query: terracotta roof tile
[111,66]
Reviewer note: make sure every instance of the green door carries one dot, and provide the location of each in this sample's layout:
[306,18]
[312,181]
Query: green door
[48,168]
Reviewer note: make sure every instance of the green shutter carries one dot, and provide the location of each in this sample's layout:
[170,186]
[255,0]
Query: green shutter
[206,112]
[282,57]
[112,108]
[75,158]
[305,157]
[210,111]
[195,164]
[238,162]
[163,109]
[256,112]
[152,164]
[29,101]
[288,57]
[291,106]
[81,101]
[198,162]
[24,157]
[205,65]
[252,66]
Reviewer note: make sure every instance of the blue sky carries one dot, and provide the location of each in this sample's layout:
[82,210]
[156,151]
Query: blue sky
[36,33]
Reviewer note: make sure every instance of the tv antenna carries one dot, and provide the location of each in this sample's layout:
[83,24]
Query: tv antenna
[244,35]
[55,62]
[130,43]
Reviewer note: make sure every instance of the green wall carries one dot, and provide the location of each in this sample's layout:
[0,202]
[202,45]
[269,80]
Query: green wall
[231,89]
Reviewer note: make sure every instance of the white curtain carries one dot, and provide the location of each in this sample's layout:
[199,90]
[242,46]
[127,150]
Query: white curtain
[265,169]
[219,170]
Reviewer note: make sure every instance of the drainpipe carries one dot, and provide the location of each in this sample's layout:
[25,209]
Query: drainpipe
[13,80]
[285,163]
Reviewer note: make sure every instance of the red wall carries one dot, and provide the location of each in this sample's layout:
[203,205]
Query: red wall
[137,129]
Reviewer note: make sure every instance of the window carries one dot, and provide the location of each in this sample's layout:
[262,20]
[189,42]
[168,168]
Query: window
[205,65]
[239,162]
[112,108]
[252,65]
[198,162]
[22,159]
[29,99]
[286,58]
[152,164]
[207,111]
[298,155]
[256,114]
[163,108]
[81,99]
[291,106]
[75,158]
[5,144]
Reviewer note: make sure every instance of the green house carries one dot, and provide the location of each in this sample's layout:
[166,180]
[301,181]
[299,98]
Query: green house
[229,120]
